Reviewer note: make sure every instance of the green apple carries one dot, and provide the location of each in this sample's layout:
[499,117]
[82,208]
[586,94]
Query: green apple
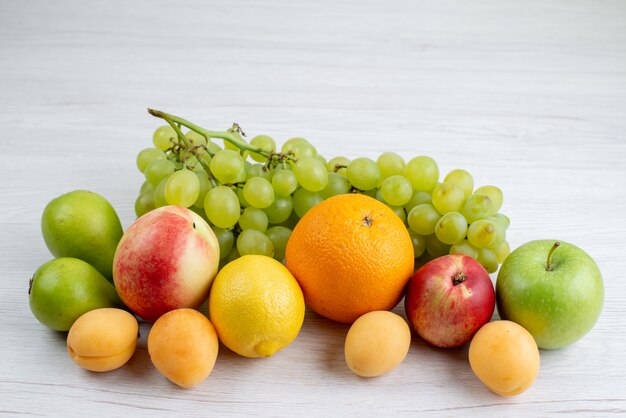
[63,289]
[551,288]
[84,225]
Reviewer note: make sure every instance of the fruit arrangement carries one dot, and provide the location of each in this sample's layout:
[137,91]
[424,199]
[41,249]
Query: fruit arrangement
[254,203]
[262,239]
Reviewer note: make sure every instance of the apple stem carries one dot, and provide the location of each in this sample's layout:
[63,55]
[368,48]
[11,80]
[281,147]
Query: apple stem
[458,278]
[549,262]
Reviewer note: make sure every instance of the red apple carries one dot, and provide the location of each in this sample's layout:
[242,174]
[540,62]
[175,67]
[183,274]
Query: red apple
[449,299]
[166,260]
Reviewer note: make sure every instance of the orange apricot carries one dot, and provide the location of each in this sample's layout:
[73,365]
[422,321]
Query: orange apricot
[183,346]
[504,357]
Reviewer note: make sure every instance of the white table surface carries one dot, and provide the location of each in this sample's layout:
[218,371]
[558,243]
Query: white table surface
[527,95]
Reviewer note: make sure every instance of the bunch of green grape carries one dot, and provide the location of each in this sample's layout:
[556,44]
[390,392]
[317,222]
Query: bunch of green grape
[253,195]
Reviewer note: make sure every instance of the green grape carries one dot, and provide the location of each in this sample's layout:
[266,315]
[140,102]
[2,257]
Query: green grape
[200,213]
[390,164]
[321,159]
[265,172]
[337,184]
[396,190]
[242,199]
[227,166]
[257,170]
[266,143]
[418,198]
[284,182]
[436,248]
[488,260]
[451,228]
[182,188]
[477,206]
[144,203]
[338,165]
[201,155]
[213,147]
[363,173]
[229,145]
[147,155]
[252,170]
[251,241]
[279,235]
[423,219]
[279,210]
[241,177]
[258,192]
[164,137]
[461,179]
[146,186]
[159,194]
[291,221]
[310,173]
[500,230]
[447,198]
[205,185]
[482,233]
[198,168]
[195,139]
[494,194]
[504,219]
[464,247]
[158,170]
[303,149]
[225,238]
[422,172]
[419,243]
[373,193]
[253,218]
[290,143]
[299,147]
[399,210]
[232,255]
[501,250]
[303,200]
[222,207]
[191,162]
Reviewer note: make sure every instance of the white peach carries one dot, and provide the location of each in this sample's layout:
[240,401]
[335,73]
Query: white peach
[166,260]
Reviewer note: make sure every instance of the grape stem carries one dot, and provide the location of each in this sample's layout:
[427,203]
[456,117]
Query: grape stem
[229,135]
[201,157]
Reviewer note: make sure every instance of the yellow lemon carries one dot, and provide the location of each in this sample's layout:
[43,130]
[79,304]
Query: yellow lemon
[256,306]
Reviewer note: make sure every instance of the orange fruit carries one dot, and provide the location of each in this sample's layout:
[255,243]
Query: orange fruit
[351,255]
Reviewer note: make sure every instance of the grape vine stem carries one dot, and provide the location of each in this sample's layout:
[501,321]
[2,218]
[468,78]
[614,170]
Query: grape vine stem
[229,135]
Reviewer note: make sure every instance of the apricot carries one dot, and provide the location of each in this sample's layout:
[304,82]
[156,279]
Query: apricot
[504,357]
[376,343]
[103,339]
[183,346]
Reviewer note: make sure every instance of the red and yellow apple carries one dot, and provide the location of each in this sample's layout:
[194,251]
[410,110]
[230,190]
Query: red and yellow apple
[166,260]
[448,299]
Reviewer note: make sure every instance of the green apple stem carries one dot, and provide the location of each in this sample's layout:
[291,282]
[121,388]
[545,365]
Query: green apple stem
[549,262]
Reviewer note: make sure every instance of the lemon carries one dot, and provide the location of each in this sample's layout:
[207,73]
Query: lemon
[256,306]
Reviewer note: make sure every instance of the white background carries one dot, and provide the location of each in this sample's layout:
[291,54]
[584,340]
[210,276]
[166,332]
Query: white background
[527,95]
